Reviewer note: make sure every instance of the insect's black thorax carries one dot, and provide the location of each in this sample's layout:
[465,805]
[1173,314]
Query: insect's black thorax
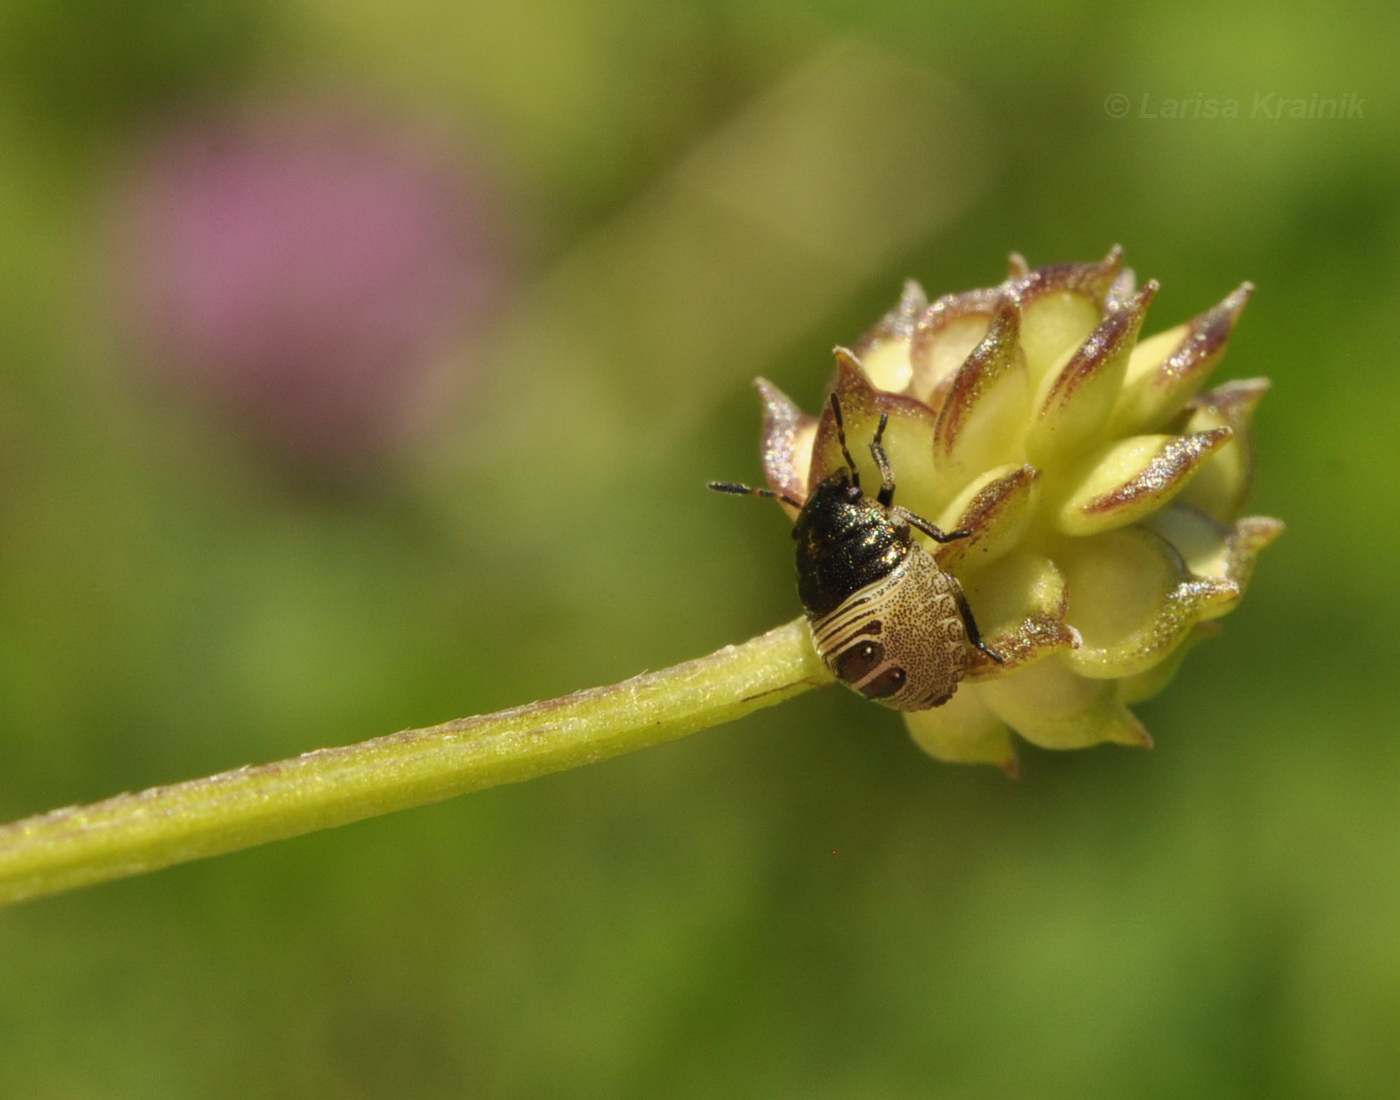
[845,541]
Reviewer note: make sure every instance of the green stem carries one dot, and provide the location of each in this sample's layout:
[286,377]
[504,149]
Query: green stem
[135,833]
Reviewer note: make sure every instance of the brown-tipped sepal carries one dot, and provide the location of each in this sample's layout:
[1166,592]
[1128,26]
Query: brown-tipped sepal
[1020,602]
[1133,600]
[944,336]
[1167,369]
[1061,305]
[1212,550]
[884,349]
[995,510]
[788,435]
[1223,486]
[1076,399]
[1126,481]
[985,403]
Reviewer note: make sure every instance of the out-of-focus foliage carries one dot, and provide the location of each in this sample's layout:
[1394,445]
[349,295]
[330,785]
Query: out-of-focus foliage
[801,904]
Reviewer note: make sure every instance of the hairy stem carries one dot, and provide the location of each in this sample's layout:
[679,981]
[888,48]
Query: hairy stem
[134,833]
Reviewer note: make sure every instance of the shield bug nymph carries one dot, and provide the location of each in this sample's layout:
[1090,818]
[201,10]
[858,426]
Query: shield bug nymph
[885,618]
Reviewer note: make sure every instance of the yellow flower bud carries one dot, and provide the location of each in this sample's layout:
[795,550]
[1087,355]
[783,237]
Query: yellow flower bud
[1101,491]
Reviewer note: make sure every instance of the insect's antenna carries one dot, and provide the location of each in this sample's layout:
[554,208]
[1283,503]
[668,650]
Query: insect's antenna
[882,460]
[841,436]
[749,491]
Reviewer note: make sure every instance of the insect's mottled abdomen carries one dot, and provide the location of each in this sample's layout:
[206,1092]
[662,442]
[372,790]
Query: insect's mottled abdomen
[900,640]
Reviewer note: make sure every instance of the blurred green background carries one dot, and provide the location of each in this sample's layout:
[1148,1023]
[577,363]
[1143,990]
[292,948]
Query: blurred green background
[672,199]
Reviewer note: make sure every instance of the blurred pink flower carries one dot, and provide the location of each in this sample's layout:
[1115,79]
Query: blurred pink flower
[308,270]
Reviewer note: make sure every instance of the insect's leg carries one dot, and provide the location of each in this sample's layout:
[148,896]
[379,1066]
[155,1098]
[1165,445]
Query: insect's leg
[748,490]
[935,533]
[882,460]
[841,436]
[970,625]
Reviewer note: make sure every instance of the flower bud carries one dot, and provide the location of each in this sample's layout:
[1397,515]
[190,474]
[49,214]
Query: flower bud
[1102,491]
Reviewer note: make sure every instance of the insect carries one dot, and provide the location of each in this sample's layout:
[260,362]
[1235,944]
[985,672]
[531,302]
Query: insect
[886,619]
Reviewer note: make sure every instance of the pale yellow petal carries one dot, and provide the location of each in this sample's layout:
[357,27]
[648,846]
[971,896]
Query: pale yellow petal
[888,366]
[963,731]
[1125,481]
[1167,369]
[1076,398]
[1061,305]
[1201,542]
[1133,600]
[1019,602]
[1223,485]
[996,508]
[1050,706]
[985,405]
[884,350]
[908,440]
[944,337]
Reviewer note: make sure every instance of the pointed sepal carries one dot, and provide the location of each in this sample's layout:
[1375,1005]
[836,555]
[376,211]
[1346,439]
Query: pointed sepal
[908,440]
[788,435]
[985,403]
[964,731]
[1052,706]
[1167,369]
[1126,481]
[1133,600]
[1221,552]
[1019,602]
[1076,399]
[884,349]
[1223,486]
[945,336]
[996,509]
[1061,305]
